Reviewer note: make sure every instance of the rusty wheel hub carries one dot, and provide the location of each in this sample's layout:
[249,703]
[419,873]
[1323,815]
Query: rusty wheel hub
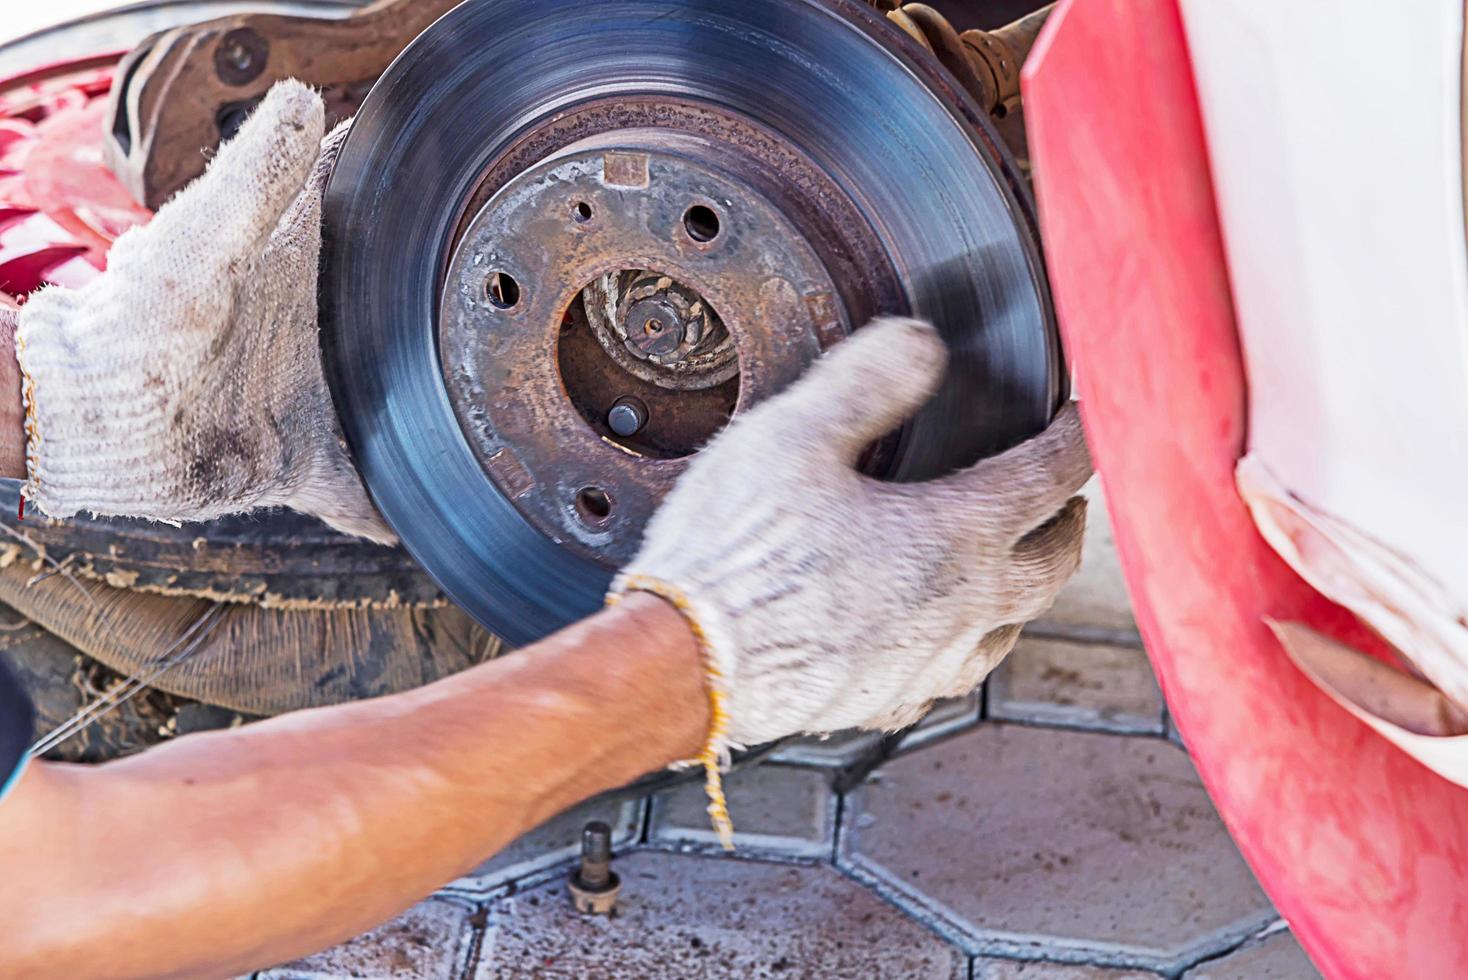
[659,329]
[639,270]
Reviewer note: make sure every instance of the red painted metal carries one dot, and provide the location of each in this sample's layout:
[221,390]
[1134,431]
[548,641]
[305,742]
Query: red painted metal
[60,207]
[1364,851]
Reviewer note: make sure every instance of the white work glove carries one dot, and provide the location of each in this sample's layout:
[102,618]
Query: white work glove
[826,599]
[185,382]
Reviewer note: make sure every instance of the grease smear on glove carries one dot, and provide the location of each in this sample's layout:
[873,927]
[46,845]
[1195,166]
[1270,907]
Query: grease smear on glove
[185,382]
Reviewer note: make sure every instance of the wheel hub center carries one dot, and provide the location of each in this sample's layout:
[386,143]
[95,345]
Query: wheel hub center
[656,330]
[673,336]
[606,312]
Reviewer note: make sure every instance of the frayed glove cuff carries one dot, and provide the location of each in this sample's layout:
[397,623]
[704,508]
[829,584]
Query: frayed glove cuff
[714,757]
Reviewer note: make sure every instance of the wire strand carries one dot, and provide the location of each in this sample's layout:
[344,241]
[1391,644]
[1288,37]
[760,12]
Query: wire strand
[130,686]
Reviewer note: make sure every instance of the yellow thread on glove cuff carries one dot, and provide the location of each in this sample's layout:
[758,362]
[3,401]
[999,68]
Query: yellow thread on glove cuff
[716,745]
[32,487]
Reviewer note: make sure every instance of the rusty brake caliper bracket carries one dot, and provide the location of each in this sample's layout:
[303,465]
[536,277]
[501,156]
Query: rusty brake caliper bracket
[183,91]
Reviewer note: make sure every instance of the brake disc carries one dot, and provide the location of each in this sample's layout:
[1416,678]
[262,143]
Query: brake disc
[566,242]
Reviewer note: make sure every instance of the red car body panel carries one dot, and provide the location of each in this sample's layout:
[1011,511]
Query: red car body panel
[1363,850]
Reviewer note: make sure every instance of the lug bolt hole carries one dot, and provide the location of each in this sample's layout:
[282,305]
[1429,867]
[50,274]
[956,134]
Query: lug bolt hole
[593,505]
[701,223]
[502,291]
[581,212]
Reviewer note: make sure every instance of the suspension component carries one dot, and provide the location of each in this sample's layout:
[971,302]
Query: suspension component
[185,90]
[660,330]
[986,62]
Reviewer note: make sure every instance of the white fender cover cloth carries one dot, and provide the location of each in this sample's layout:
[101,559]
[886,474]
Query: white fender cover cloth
[1340,192]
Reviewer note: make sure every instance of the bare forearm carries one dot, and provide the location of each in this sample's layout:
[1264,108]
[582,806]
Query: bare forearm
[230,851]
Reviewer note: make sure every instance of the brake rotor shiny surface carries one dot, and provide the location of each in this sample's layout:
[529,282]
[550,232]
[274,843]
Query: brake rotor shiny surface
[553,221]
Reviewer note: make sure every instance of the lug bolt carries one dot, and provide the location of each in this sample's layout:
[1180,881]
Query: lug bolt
[627,416]
[594,885]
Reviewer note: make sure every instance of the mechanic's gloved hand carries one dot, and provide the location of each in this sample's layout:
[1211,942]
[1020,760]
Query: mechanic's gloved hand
[827,599]
[185,382]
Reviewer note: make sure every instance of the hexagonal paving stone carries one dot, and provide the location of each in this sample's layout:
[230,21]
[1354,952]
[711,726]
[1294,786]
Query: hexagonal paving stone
[1094,603]
[1278,957]
[429,941]
[553,843]
[778,809]
[1025,840]
[684,916]
[987,969]
[1083,685]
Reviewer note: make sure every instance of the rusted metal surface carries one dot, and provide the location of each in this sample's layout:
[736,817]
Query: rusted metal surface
[866,279]
[776,179]
[986,63]
[184,89]
[1003,52]
[659,329]
[533,382]
[187,88]
[670,422]
[594,886]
